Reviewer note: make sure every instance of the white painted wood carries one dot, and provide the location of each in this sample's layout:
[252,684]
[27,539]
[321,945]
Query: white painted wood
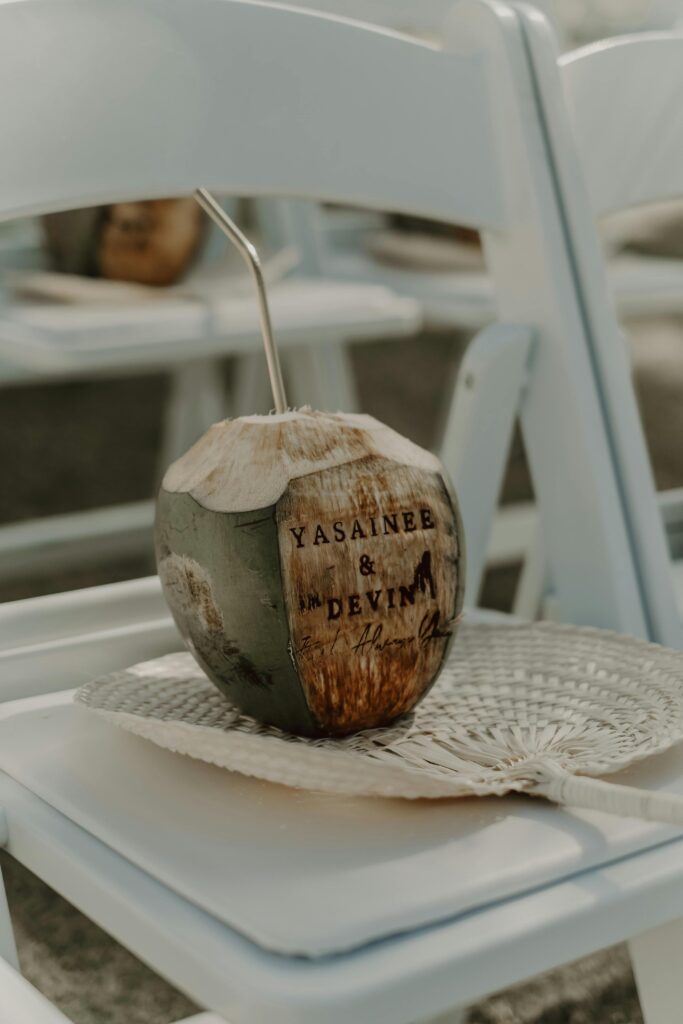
[513,532]
[360,137]
[478,433]
[21,1003]
[562,417]
[454,1017]
[425,18]
[49,341]
[391,982]
[624,98]
[608,353]
[329,883]
[641,287]
[54,617]
[656,959]
[55,543]
[49,643]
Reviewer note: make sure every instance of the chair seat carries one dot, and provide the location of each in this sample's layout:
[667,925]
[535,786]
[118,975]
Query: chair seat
[59,339]
[304,873]
[643,286]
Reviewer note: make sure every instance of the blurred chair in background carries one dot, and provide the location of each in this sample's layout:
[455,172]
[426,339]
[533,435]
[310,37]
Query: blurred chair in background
[58,327]
[619,147]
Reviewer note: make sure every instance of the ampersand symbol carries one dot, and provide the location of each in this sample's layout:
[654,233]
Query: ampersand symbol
[367,568]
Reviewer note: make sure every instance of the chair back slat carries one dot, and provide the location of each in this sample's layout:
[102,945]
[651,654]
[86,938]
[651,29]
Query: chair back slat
[172,95]
[626,101]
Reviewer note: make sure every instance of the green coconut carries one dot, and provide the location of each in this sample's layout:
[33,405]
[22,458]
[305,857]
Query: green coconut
[314,566]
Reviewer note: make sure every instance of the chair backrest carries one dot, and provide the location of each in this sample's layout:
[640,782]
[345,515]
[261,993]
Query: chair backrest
[625,102]
[612,116]
[105,100]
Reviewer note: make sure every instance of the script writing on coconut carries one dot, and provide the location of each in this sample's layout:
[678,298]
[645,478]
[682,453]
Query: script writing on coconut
[314,564]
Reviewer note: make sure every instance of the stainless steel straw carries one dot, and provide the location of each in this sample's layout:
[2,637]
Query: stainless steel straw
[251,257]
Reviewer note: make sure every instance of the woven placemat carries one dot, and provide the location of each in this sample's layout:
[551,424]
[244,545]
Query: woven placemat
[521,708]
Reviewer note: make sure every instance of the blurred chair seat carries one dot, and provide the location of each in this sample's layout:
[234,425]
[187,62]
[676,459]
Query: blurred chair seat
[642,286]
[53,340]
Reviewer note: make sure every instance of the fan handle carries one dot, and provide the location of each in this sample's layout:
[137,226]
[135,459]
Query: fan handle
[624,801]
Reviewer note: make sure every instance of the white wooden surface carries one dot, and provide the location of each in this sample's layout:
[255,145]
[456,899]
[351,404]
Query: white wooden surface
[609,355]
[304,873]
[641,287]
[425,18]
[656,958]
[477,437]
[81,633]
[202,66]
[72,539]
[562,416]
[624,98]
[396,981]
[52,340]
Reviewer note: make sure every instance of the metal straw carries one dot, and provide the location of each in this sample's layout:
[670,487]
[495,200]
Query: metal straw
[241,242]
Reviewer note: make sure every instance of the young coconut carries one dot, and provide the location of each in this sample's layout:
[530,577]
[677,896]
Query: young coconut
[313,562]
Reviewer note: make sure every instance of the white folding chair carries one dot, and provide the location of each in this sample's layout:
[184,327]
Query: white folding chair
[613,146]
[261,903]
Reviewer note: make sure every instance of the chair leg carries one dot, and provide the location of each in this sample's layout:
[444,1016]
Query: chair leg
[196,400]
[321,375]
[476,442]
[8,947]
[656,957]
[529,595]
[249,390]
[204,1018]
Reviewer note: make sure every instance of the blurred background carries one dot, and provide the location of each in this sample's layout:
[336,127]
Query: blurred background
[125,330]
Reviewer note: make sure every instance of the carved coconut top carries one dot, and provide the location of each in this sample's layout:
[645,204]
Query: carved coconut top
[247,463]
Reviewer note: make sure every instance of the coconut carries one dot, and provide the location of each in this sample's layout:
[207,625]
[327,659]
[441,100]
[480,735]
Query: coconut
[314,566]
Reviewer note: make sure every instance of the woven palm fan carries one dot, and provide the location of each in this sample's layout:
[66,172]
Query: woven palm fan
[538,709]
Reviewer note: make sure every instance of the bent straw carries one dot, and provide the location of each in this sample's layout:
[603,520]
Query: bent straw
[218,215]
